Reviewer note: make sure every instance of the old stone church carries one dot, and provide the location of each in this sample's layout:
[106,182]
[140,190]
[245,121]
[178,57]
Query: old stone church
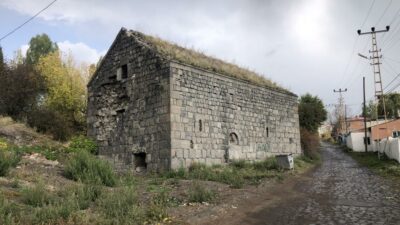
[157,105]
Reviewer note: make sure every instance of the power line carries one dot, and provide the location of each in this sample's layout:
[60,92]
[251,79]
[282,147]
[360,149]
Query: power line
[398,75]
[384,12]
[33,17]
[368,13]
[355,43]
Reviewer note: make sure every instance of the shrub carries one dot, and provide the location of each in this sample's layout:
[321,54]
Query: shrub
[8,159]
[310,144]
[82,143]
[198,193]
[87,168]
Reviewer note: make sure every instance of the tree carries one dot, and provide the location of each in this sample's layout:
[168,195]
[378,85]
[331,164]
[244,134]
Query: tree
[370,110]
[19,88]
[392,104]
[65,99]
[311,112]
[39,46]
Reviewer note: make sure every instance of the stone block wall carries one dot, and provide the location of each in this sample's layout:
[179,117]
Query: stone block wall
[216,119]
[130,115]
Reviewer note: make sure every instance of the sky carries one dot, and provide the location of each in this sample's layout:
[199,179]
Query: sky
[306,46]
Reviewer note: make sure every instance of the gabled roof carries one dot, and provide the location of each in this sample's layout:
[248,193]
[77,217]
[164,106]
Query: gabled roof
[173,52]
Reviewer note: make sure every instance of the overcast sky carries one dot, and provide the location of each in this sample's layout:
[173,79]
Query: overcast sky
[304,45]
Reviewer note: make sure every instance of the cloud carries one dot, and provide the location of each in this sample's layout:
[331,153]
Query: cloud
[80,51]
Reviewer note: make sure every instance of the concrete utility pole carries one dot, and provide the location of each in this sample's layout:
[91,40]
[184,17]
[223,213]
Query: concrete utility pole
[365,118]
[342,119]
[376,65]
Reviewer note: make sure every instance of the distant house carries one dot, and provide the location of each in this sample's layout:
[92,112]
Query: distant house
[155,105]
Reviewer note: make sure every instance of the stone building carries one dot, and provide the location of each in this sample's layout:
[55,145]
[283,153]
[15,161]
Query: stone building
[157,105]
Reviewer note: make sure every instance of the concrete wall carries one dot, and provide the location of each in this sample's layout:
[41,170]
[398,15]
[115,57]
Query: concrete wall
[355,141]
[131,116]
[215,118]
[391,147]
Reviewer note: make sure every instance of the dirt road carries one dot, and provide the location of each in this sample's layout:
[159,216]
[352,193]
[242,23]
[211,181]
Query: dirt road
[337,192]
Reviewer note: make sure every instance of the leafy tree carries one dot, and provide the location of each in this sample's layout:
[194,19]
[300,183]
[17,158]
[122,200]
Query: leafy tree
[392,105]
[311,112]
[66,92]
[39,46]
[19,88]
[371,110]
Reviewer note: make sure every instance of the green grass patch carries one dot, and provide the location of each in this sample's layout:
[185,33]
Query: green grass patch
[237,173]
[83,166]
[383,166]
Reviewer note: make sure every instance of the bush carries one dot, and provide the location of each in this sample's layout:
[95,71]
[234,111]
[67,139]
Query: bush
[8,159]
[198,193]
[87,168]
[310,144]
[82,143]
[51,122]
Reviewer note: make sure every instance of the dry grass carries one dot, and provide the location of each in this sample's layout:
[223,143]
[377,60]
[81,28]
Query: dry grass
[20,134]
[198,59]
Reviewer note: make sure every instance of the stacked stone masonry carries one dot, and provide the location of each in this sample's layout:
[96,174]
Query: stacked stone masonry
[177,114]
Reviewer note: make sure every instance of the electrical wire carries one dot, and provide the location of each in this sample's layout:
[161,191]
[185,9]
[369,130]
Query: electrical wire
[27,21]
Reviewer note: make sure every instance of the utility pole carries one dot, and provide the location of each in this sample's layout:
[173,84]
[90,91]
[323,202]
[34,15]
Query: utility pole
[365,119]
[376,65]
[342,121]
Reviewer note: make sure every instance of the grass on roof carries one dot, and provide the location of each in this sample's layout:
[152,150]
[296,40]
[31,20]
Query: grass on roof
[198,59]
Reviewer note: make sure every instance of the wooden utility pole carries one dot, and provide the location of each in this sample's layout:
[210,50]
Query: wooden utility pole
[365,118]
[376,65]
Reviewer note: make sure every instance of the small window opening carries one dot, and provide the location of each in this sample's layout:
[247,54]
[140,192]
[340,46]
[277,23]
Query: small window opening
[267,131]
[124,70]
[139,160]
[200,125]
[191,144]
[233,139]
[291,140]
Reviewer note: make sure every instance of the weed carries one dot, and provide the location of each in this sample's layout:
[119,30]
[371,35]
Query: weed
[121,207]
[36,196]
[8,211]
[198,193]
